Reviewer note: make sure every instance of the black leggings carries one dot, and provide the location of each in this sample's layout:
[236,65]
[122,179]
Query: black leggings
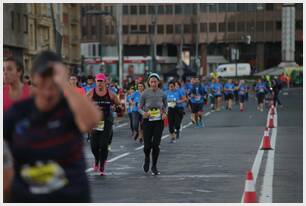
[175,117]
[152,132]
[99,141]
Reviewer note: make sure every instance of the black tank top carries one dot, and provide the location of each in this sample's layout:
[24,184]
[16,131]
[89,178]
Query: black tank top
[104,102]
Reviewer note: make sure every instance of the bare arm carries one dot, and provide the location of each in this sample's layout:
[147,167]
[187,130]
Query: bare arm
[80,105]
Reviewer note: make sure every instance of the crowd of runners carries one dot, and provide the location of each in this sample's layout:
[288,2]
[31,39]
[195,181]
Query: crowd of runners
[47,114]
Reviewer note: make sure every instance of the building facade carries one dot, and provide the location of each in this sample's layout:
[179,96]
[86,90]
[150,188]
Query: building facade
[255,29]
[35,27]
[15,30]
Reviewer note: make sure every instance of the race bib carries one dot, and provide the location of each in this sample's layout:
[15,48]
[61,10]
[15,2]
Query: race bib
[44,178]
[154,115]
[171,104]
[197,98]
[100,126]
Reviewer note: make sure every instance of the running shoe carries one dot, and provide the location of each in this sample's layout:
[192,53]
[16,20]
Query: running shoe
[201,124]
[178,134]
[154,171]
[101,171]
[95,167]
[146,164]
[109,148]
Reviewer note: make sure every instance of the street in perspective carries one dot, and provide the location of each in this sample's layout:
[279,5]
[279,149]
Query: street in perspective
[152,102]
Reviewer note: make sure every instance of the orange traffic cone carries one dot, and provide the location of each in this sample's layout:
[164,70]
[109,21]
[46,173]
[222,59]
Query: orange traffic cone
[266,145]
[249,189]
[271,122]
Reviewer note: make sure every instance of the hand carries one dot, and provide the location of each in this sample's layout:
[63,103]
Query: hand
[146,115]
[60,75]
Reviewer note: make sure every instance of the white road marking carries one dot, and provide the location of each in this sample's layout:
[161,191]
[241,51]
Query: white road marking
[121,125]
[266,195]
[118,157]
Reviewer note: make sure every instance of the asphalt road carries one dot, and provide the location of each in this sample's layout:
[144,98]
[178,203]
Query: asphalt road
[207,165]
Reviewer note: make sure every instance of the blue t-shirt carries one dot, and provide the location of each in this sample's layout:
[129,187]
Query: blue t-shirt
[128,104]
[88,88]
[172,98]
[197,94]
[242,90]
[217,89]
[260,88]
[136,98]
[229,88]
[188,87]
[45,141]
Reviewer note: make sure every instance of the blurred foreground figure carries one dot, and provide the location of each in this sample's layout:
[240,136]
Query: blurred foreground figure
[44,134]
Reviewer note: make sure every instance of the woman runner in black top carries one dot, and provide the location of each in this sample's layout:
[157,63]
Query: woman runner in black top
[99,139]
[44,134]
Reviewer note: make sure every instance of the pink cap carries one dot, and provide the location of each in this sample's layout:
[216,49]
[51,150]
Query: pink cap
[100,76]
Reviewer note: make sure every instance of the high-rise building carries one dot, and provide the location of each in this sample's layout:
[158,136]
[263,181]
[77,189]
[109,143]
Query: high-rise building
[253,28]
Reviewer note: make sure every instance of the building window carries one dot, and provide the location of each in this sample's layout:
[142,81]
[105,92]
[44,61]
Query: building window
[125,29]
[299,25]
[241,7]
[112,29]
[160,29]
[94,50]
[106,29]
[142,10]
[269,25]
[152,9]
[125,10]
[178,9]
[84,30]
[142,28]
[203,27]
[241,26]
[178,28]
[187,9]
[134,28]
[223,7]
[169,9]
[160,9]
[203,8]
[93,30]
[232,7]
[231,27]
[221,27]
[260,26]
[250,27]
[212,27]
[169,29]
[212,7]
[260,7]
[18,21]
[133,10]
[299,6]
[195,9]
[194,28]
[269,7]
[65,18]
[100,50]
[278,25]
[187,28]
[25,17]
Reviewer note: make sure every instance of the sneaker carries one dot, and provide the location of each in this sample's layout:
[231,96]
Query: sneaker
[172,141]
[154,171]
[109,148]
[201,124]
[146,165]
[101,171]
[95,167]
[177,134]
[140,140]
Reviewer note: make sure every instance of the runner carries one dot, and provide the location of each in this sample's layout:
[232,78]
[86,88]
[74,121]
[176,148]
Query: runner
[236,91]
[101,134]
[153,107]
[129,107]
[229,94]
[261,90]
[90,84]
[44,133]
[197,102]
[73,80]
[141,88]
[276,87]
[172,99]
[181,104]
[242,94]
[211,94]
[217,90]
[13,90]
